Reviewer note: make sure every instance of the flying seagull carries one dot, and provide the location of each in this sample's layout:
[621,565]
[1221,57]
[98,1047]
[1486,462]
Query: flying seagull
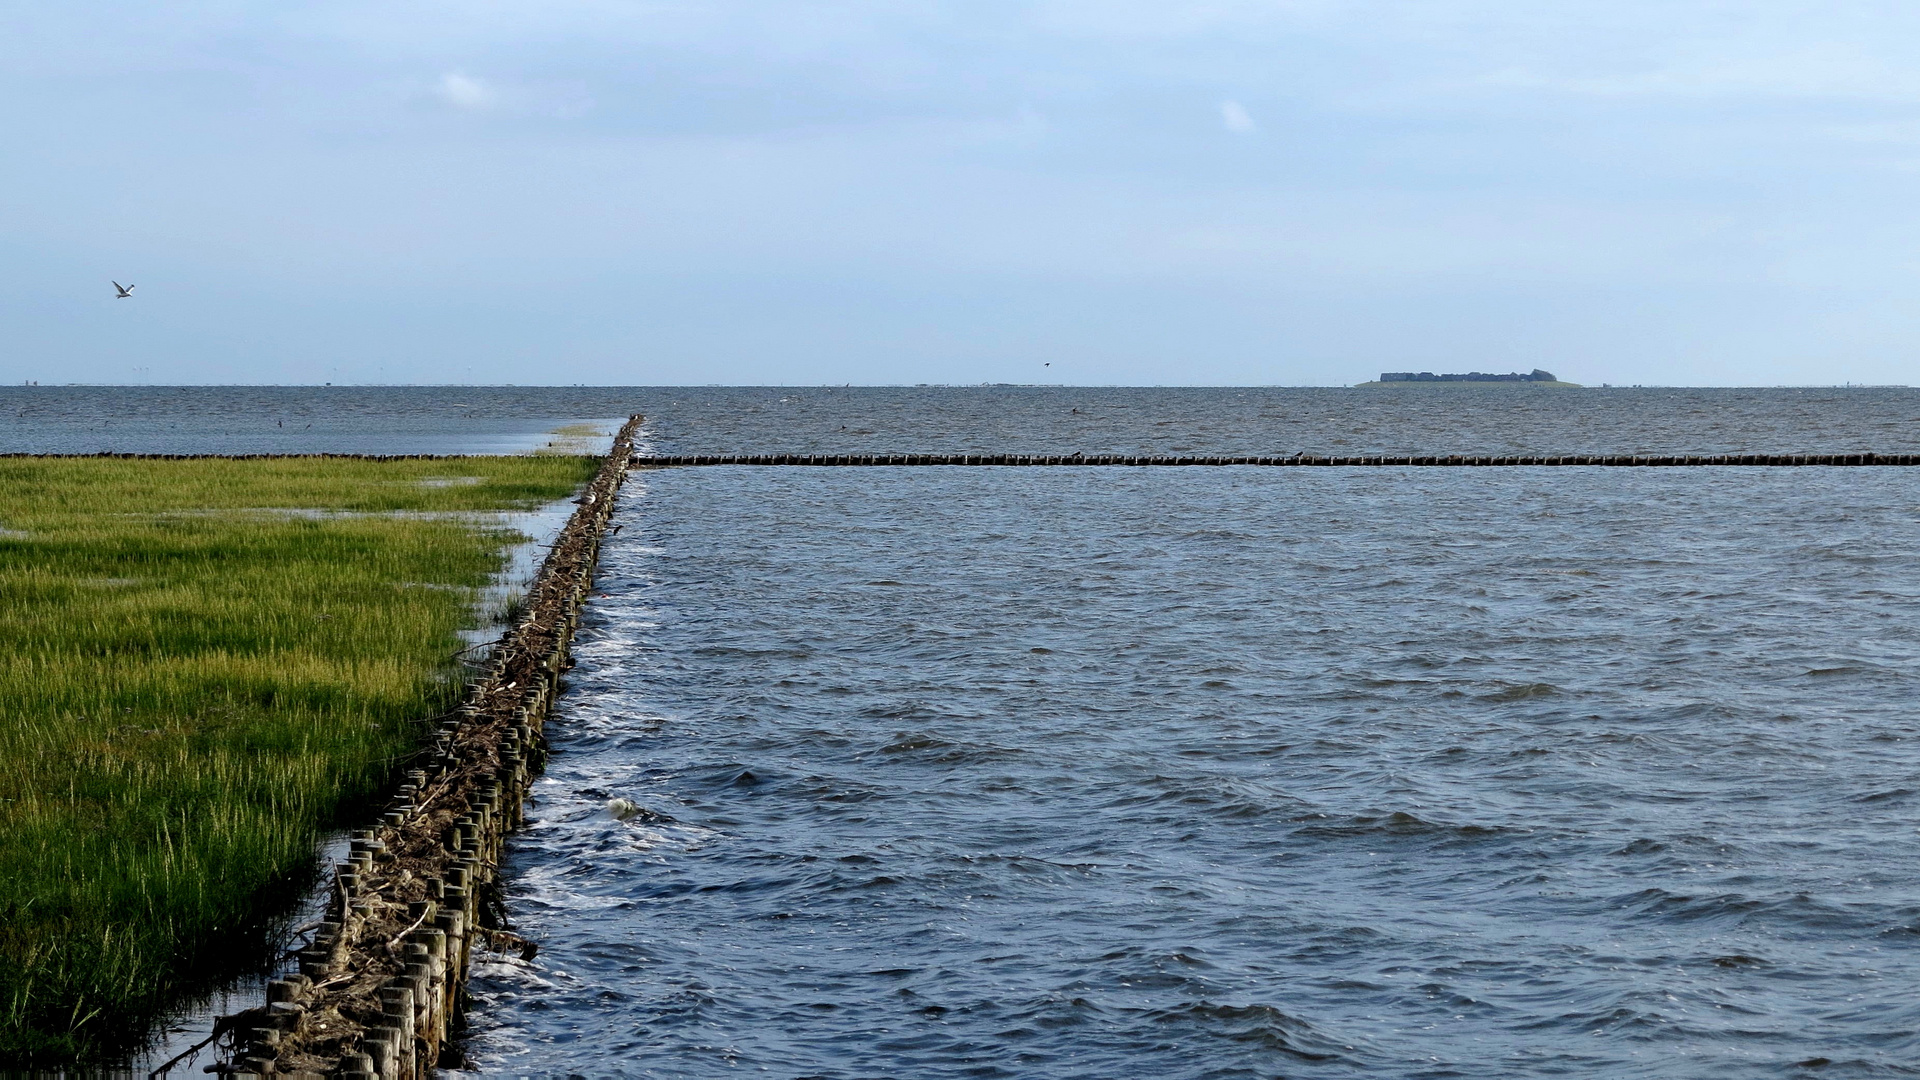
[124,290]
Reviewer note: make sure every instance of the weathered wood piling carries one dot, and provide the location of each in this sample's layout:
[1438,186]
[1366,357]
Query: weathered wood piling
[1482,460]
[380,988]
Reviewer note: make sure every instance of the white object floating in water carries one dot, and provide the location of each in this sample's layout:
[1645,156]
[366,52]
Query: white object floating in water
[622,809]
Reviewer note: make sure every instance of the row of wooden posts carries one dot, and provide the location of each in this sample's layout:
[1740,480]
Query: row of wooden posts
[420,1007]
[1483,460]
[381,987]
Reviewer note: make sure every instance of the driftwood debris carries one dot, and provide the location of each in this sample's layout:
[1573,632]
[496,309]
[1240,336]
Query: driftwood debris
[380,989]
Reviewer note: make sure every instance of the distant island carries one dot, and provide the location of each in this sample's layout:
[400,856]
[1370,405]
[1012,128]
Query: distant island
[1536,377]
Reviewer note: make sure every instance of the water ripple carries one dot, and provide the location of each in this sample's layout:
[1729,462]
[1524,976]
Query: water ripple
[1230,773]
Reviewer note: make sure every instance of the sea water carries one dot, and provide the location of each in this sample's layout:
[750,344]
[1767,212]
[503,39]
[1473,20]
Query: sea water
[1232,772]
[1210,773]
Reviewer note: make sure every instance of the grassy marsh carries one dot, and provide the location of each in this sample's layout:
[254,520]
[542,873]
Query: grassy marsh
[207,663]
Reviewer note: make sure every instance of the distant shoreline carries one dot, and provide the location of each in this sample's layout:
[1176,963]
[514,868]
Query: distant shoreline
[1427,384]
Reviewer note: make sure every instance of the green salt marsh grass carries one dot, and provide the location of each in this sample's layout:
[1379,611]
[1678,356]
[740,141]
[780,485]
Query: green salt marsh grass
[204,665]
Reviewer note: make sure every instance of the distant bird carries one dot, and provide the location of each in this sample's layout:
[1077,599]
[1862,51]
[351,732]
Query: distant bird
[125,291]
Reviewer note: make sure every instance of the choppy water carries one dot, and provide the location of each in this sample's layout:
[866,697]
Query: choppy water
[1200,773]
[1234,772]
[1121,420]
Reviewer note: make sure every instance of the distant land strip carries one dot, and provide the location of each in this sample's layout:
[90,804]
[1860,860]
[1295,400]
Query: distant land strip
[1481,460]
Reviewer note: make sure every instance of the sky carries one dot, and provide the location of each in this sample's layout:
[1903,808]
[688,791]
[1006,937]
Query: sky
[1143,192]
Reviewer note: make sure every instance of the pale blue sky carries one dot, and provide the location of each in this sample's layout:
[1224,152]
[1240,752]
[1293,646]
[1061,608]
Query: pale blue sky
[1302,192]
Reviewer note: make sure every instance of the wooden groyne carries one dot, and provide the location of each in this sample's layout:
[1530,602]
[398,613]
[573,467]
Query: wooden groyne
[380,988]
[1483,460]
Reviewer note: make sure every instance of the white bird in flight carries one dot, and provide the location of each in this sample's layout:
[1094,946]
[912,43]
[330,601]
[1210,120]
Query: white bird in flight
[124,290]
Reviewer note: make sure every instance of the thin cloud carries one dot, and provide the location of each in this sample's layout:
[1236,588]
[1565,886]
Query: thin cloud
[1235,116]
[465,91]
[562,100]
